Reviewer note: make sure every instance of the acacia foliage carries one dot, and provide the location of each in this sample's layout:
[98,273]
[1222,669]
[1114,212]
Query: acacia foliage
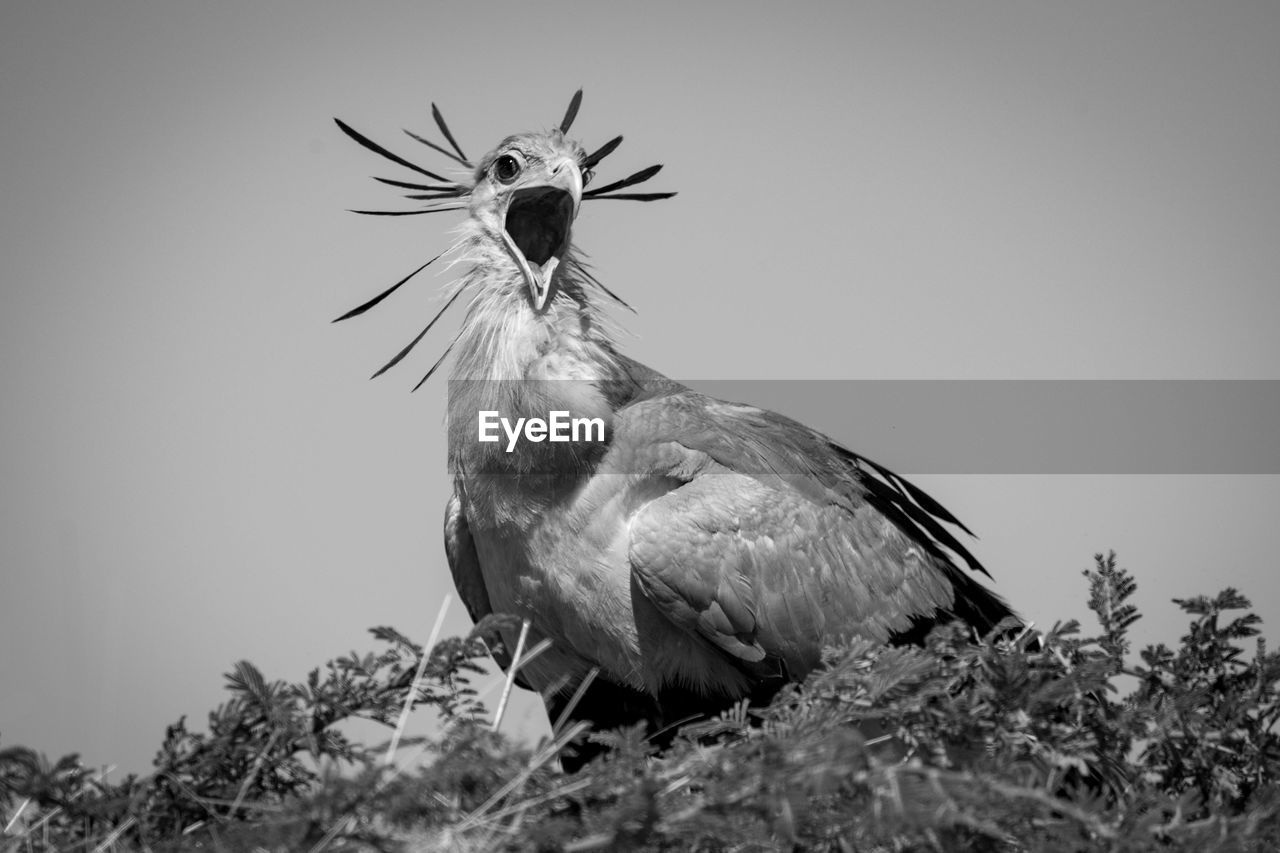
[1016,741]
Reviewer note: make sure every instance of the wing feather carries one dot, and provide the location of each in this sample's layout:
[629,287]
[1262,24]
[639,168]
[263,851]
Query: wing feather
[777,542]
[464,564]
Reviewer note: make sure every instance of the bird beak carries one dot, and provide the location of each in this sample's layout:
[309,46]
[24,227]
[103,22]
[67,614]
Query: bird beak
[537,226]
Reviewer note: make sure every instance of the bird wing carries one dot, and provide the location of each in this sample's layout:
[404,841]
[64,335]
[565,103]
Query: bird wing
[460,549]
[771,541]
[604,704]
[464,565]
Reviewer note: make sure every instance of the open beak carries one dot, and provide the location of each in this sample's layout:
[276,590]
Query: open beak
[537,225]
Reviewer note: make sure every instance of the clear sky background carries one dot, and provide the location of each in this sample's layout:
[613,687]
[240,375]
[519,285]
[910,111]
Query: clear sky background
[194,469]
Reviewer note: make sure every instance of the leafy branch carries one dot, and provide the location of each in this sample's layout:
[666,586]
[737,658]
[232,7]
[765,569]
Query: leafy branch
[1017,741]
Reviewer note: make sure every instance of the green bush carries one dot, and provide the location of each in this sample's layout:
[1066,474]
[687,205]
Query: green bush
[1015,741]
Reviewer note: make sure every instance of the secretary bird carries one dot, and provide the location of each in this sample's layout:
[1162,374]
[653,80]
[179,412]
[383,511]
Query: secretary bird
[694,552]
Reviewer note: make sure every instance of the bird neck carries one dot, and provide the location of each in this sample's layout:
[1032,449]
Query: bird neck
[520,363]
[504,339]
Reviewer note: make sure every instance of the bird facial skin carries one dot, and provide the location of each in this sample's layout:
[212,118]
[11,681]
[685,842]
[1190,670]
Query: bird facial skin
[528,197]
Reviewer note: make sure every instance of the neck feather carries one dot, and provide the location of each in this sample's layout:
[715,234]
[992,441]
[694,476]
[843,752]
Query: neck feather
[504,339]
[525,364]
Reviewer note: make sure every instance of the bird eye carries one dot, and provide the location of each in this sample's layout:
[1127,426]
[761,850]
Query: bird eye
[505,168]
[587,176]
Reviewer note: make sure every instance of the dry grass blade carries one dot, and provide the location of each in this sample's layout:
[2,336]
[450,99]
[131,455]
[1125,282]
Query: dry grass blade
[342,824]
[533,653]
[8,826]
[417,679]
[43,821]
[110,840]
[575,699]
[52,813]
[511,676]
[524,805]
[599,841]
[253,805]
[546,754]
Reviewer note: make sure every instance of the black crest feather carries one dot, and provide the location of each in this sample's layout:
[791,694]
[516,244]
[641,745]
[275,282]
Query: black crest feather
[445,195]
[444,128]
[440,148]
[592,159]
[629,197]
[571,113]
[360,309]
[378,149]
[629,181]
[453,188]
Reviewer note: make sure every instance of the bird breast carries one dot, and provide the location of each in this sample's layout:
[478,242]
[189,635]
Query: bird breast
[519,366]
[566,566]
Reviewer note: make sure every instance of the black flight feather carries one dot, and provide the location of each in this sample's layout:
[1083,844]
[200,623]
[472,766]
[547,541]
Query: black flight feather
[914,521]
[378,149]
[384,294]
[920,496]
[572,112]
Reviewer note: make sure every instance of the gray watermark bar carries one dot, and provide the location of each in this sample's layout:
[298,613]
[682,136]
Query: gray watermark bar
[988,426]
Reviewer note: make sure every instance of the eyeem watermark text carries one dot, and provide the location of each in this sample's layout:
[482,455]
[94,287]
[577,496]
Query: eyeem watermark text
[558,426]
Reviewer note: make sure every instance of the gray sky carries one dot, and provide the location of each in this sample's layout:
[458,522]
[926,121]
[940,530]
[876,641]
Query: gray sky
[195,469]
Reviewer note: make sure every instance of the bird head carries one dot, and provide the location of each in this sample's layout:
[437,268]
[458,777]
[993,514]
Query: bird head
[526,195]
[523,197]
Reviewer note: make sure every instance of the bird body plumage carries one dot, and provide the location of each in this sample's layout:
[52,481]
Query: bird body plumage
[705,551]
